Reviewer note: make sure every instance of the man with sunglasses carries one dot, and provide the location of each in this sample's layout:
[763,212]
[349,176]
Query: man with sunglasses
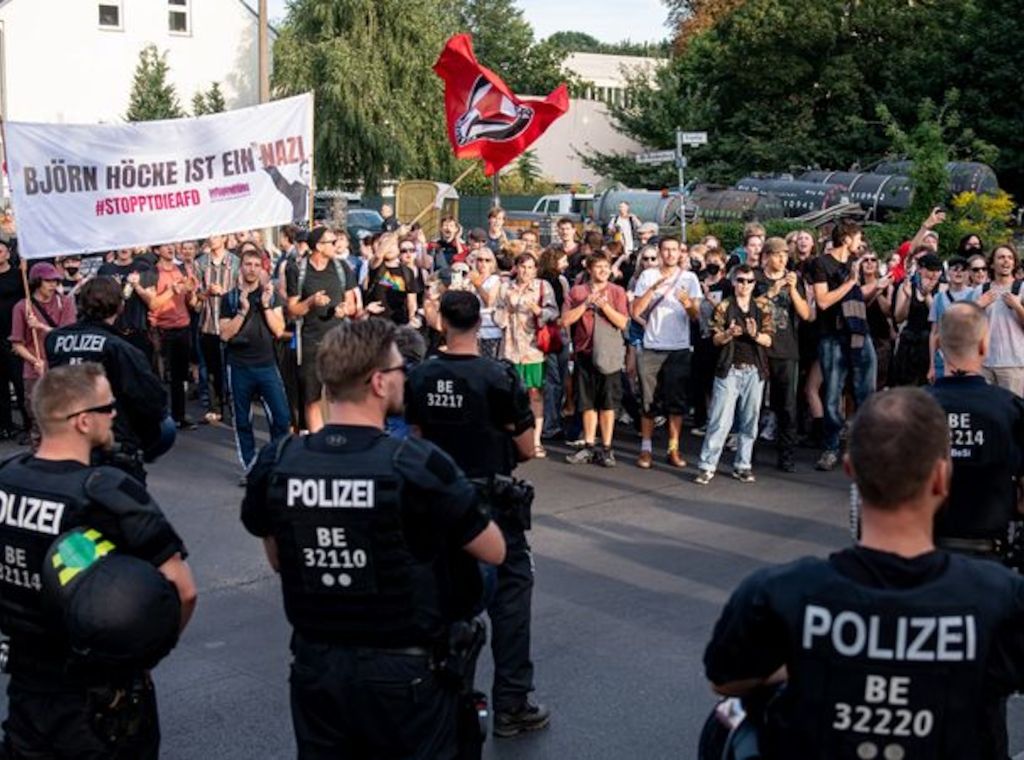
[377,541]
[958,290]
[61,703]
[322,293]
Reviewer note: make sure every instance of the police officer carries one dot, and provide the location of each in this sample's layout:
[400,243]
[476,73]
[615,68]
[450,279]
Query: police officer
[891,648]
[376,540]
[986,430]
[475,408]
[59,705]
[143,428]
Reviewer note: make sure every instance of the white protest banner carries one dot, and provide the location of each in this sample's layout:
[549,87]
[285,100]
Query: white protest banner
[80,188]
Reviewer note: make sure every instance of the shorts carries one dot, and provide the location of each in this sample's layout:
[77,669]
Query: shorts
[309,381]
[532,375]
[594,390]
[664,376]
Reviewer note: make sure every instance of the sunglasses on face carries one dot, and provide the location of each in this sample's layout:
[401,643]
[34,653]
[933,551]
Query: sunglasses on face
[979,269]
[407,250]
[744,281]
[650,258]
[869,259]
[403,368]
[99,409]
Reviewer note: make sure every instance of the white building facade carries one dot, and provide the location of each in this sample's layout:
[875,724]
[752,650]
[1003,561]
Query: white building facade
[587,126]
[73,61]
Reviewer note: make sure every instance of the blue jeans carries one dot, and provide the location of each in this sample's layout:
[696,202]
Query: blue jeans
[556,366]
[835,358]
[248,383]
[741,389]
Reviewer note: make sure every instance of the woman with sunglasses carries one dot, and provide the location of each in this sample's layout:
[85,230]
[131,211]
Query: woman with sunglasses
[958,290]
[485,281]
[392,287]
[910,361]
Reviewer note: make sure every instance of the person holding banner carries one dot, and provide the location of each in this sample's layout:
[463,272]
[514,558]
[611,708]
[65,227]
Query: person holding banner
[33,319]
[169,302]
[322,293]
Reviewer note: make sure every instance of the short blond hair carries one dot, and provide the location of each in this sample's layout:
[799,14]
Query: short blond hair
[62,390]
[349,353]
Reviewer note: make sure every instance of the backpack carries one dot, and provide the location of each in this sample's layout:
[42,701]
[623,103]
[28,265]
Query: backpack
[1015,288]
[303,266]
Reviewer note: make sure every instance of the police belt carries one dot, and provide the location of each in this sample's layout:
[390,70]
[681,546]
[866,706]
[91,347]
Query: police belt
[347,643]
[992,546]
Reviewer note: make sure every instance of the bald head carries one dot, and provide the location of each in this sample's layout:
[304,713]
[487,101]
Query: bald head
[963,335]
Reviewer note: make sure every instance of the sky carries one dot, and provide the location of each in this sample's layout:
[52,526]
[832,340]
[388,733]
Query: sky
[607,20]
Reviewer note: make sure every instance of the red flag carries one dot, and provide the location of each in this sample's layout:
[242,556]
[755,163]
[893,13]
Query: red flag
[485,120]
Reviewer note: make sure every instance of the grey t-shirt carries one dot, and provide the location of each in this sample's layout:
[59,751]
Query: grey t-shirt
[1006,333]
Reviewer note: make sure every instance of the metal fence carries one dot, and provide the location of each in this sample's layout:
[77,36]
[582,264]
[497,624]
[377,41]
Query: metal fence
[472,208]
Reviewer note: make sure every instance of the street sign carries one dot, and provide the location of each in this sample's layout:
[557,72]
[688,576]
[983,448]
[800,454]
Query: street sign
[656,157]
[694,138]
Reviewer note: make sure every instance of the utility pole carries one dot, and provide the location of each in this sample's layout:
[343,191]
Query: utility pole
[264,54]
[681,166]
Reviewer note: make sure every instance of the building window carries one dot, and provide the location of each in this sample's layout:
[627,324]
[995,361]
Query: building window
[110,15]
[179,19]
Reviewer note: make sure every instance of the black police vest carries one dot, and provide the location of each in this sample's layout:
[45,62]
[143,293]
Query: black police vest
[983,423]
[347,573]
[34,510]
[457,402]
[879,673]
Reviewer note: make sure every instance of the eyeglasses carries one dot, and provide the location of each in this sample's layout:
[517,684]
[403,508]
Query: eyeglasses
[407,250]
[957,268]
[869,259]
[744,281]
[650,258]
[332,241]
[403,368]
[485,259]
[100,409]
[979,269]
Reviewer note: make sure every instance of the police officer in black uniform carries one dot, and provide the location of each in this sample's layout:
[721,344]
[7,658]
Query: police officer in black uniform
[891,648]
[376,540]
[59,704]
[475,408]
[143,428]
[986,431]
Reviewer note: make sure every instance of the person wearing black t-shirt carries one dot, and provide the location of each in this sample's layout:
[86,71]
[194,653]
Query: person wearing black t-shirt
[250,322]
[784,291]
[322,293]
[986,427]
[132,273]
[11,291]
[844,345]
[889,649]
[391,287]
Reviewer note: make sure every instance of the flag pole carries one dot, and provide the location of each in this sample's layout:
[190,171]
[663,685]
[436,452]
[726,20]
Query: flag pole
[456,181]
[23,265]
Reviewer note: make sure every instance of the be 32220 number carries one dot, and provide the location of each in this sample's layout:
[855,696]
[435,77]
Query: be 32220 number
[883,721]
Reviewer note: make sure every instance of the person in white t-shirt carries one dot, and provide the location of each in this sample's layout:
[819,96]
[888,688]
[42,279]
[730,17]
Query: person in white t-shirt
[485,281]
[666,299]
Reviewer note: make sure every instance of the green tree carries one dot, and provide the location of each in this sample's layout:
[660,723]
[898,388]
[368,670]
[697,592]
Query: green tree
[787,84]
[211,101]
[379,105]
[152,96]
[528,168]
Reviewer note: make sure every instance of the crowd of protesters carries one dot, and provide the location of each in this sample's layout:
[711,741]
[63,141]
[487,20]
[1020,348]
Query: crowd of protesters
[779,340]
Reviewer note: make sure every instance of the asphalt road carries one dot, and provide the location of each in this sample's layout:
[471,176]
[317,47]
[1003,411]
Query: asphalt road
[632,570]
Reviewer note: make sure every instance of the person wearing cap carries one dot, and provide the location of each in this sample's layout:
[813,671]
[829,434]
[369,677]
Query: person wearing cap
[786,298]
[477,241]
[914,298]
[61,703]
[33,319]
[957,290]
